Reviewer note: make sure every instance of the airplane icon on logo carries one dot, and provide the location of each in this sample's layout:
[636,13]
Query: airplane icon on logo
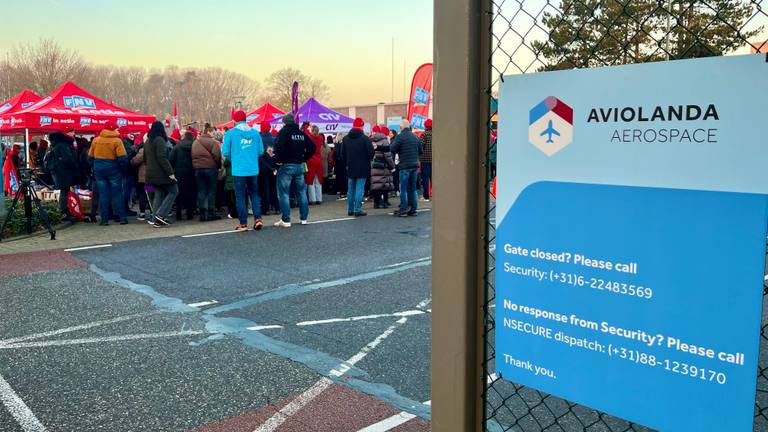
[549,131]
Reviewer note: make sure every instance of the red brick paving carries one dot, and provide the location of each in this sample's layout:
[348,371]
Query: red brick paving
[246,422]
[337,409]
[30,262]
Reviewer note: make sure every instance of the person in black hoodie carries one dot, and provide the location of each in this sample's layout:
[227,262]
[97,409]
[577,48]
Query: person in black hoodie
[267,171]
[358,152]
[181,161]
[292,150]
[64,166]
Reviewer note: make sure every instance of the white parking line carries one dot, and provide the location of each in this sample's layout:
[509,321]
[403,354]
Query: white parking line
[88,247]
[70,329]
[120,338]
[295,406]
[18,409]
[402,263]
[233,231]
[282,415]
[265,327]
[423,303]
[360,318]
[330,220]
[392,422]
[209,234]
[389,423]
[203,303]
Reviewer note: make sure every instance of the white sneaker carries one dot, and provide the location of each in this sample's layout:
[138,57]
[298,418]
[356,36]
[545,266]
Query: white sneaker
[304,222]
[281,224]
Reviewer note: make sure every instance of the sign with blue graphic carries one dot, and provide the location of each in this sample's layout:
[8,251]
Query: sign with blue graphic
[630,239]
[76,102]
[420,96]
[418,121]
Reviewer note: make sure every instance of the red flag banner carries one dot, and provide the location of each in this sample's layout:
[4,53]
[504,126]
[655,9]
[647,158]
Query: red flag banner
[421,96]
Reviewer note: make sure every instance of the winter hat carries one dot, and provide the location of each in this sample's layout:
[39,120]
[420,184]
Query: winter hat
[273,132]
[264,127]
[358,123]
[176,135]
[194,132]
[385,130]
[239,116]
[428,124]
[289,119]
[376,129]
[110,125]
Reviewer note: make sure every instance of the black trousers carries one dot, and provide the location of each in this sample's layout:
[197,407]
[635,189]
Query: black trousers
[207,180]
[268,191]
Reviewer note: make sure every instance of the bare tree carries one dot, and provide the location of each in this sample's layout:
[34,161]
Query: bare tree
[201,94]
[280,82]
[44,66]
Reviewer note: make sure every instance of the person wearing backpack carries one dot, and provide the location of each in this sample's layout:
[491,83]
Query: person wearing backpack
[62,163]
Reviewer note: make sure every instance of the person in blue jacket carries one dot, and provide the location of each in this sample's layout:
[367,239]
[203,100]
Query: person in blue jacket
[243,147]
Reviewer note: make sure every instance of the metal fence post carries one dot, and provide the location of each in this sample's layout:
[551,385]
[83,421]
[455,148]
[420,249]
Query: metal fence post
[462,74]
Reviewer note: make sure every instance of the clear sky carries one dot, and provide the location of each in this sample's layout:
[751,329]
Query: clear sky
[346,43]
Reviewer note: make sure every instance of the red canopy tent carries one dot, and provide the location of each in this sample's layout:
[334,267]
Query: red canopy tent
[21,101]
[70,106]
[266,112]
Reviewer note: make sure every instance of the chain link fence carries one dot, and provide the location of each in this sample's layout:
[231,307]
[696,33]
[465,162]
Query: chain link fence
[529,36]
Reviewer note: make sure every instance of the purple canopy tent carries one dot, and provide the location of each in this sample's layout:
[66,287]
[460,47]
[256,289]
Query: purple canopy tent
[328,120]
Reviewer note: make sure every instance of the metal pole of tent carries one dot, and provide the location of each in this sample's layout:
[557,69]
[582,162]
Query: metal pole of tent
[26,147]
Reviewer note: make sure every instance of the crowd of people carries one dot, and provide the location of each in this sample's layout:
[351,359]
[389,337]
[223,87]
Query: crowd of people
[195,174]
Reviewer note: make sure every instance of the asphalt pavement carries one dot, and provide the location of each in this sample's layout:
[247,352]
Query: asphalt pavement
[323,327]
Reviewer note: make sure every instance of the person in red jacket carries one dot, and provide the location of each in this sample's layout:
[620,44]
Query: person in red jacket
[10,170]
[314,175]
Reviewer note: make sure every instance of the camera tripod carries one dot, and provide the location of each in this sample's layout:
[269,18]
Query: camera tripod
[29,194]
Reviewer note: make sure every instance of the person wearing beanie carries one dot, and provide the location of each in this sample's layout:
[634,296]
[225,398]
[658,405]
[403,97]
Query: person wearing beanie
[407,149]
[426,160]
[243,146]
[267,171]
[358,152]
[109,160]
[293,149]
[206,160]
[382,168]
